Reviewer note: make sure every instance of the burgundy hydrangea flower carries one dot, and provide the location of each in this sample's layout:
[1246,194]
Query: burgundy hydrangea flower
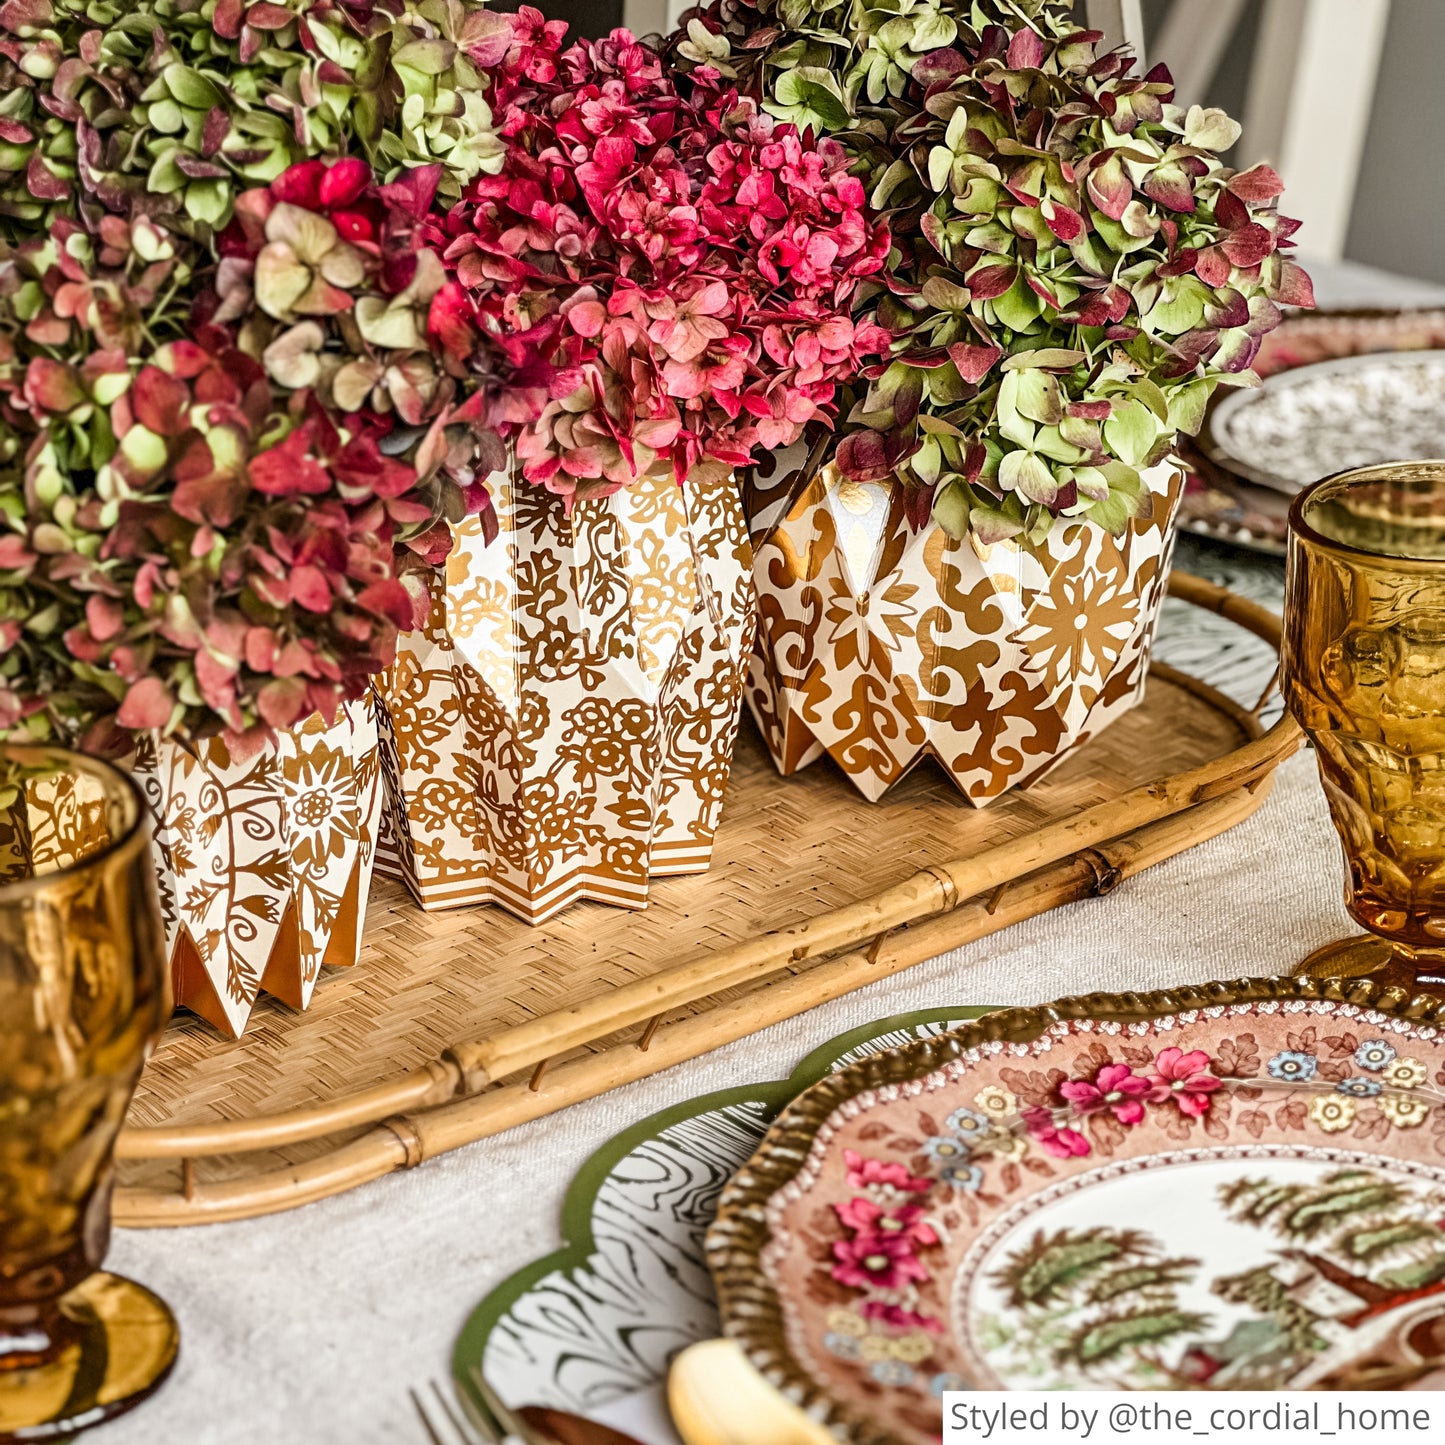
[326,277]
[218,517]
[662,282]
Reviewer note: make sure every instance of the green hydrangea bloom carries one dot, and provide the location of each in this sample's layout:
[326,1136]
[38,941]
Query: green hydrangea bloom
[1073,270]
[169,107]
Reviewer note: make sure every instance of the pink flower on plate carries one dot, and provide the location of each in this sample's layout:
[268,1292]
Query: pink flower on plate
[899,1318]
[1116,1087]
[1061,1143]
[866,1217]
[865,1172]
[877,1261]
[1184,1078]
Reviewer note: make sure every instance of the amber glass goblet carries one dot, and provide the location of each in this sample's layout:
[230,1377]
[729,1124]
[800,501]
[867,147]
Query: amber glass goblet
[1364,674]
[83,996]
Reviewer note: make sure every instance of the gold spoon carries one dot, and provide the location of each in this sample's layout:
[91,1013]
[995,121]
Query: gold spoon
[718,1398]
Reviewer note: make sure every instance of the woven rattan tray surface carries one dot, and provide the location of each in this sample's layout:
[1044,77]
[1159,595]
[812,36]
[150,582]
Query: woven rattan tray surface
[805,870]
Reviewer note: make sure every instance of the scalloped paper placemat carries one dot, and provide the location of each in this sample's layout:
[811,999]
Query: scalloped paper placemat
[593,1326]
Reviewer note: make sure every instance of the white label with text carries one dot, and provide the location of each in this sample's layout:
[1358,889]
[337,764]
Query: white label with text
[1244,1417]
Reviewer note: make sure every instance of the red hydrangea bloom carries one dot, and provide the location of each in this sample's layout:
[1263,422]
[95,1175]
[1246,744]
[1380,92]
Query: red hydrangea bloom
[662,281]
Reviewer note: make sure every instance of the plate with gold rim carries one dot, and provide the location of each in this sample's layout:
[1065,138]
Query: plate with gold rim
[1328,416]
[1234,1186]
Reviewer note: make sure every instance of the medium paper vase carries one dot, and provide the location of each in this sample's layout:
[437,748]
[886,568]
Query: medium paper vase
[563,728]
[881,645]
[264,864]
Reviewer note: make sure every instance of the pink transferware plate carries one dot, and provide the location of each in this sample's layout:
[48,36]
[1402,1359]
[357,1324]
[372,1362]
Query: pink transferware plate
[1234,1186]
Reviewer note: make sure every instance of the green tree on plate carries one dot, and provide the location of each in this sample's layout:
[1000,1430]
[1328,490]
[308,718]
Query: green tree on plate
[1098,1301]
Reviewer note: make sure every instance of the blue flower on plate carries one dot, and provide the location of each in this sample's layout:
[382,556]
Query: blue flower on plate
[1359,1088]
[892,1372]
[939,1383]
[846,1347]
[945,1148]
[962,1175]
[969,1123]
[1293,1067]
[1375,1054]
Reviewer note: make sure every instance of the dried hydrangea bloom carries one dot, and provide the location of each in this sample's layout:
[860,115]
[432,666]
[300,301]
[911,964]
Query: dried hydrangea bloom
[663,283]
[171,107]
[331,290]
[819,62]
[195,534]
[1074,269]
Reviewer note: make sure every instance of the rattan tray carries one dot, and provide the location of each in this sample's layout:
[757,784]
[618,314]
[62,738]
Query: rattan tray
[455,1026]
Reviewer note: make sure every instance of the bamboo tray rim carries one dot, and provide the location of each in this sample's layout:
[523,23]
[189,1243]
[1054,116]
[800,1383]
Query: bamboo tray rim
[457,1097]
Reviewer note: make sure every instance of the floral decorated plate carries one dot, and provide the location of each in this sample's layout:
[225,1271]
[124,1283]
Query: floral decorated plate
[1309,422]
[1234,1186]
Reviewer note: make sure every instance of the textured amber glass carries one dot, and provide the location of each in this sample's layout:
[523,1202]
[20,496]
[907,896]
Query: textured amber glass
[82,999]
[1364,673]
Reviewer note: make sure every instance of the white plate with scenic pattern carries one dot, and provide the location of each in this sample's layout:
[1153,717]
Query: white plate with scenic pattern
[1232,1186]
[1313,421]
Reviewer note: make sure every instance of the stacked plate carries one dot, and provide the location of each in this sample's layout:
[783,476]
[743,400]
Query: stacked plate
[1341,390]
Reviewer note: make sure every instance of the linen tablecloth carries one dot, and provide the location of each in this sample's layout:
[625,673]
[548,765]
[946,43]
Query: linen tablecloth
[308,1327]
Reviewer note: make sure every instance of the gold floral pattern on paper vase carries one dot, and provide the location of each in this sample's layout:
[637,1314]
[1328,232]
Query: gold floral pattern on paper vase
[880,645]
[49,821]
[264,864]
[563,728]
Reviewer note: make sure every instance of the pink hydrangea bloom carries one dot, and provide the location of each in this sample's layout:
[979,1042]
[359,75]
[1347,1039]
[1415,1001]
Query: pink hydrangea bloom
[662,281]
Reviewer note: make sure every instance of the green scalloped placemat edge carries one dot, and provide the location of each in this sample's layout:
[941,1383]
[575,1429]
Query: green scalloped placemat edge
[578,1206]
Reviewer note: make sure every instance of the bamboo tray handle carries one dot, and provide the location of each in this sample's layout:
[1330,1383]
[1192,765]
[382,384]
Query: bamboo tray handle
[456,1099]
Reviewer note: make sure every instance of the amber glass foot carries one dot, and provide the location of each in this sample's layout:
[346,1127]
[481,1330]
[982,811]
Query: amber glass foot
[124,1345]
[1366,956]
